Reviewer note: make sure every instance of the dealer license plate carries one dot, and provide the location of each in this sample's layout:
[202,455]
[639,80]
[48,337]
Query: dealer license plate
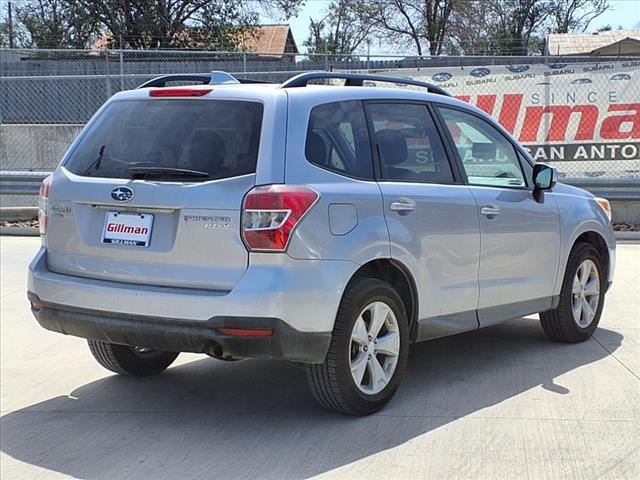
[132,229]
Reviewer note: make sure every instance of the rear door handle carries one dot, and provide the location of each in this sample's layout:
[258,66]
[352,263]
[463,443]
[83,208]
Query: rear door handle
[490,211]
[403,206]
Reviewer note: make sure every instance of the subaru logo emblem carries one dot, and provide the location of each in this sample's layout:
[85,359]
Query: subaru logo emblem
[518,68]
[442,77]
[122,194]
[480,72]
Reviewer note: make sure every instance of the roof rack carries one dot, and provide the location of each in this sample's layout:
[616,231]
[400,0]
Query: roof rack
[214,78]
[358,79]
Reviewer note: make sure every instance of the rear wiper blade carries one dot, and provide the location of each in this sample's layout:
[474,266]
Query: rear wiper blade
[96,162]
[144,172]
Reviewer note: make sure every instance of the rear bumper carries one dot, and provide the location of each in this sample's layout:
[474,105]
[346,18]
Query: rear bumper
[179,335]
[298,299]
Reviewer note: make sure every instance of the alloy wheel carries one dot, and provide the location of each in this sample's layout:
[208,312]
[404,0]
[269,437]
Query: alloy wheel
[375,347]
[585,293]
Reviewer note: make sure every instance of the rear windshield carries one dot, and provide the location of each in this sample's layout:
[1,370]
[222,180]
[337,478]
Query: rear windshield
[217,137]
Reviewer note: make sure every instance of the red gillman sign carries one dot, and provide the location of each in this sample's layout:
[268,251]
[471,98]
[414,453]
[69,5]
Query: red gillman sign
[613,122]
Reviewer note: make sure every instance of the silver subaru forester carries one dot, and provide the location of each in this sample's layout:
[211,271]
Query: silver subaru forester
[329,225]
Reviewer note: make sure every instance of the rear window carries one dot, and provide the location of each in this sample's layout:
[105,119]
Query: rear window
[218,137]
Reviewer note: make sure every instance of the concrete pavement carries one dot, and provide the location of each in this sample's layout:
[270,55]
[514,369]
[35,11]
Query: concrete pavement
[502,402]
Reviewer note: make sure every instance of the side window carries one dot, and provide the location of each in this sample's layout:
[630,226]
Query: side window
[488,158]
[409,145]
[338,140]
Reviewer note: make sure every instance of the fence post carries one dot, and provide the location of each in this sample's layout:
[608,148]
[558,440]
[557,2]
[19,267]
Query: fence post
[121,68]
[547,95]
[106,56]
[326,61]
[244,62]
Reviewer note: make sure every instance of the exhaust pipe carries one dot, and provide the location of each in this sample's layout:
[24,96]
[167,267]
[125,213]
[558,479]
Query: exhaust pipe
[215,350]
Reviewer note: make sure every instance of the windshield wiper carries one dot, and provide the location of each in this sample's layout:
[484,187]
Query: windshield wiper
[145,172]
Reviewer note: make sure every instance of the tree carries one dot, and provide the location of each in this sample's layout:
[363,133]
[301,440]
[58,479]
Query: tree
[317,42]
[54,24]
[575,15]
[342,31]
[144,23]
[469,29]
[421,23]
[517,25]
[4,34]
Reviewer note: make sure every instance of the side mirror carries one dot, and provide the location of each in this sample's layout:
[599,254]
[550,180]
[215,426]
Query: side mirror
[544,177]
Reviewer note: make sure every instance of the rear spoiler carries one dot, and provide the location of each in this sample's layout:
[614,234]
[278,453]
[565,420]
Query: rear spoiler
[213,78]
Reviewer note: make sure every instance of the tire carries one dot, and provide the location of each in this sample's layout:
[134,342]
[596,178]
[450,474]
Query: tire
[332,382]
[132,361]
[561,324]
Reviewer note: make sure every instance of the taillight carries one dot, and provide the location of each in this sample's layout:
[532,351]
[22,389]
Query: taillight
[270,213]
[43,204]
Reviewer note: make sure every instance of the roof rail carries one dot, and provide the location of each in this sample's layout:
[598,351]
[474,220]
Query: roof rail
[214,78]
[358,79]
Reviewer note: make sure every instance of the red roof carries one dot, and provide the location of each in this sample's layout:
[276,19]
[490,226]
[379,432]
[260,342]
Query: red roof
[269,40]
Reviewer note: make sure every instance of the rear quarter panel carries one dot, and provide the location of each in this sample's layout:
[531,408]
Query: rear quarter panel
[360,238]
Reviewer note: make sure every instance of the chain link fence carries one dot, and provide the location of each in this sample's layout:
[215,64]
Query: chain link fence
[581,114]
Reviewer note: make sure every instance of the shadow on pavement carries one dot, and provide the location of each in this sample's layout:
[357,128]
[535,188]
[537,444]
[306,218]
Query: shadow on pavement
[254,419]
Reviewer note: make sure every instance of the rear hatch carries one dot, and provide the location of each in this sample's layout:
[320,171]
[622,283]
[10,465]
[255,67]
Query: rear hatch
[151,193]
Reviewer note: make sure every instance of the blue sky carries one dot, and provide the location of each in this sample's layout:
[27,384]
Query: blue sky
[625,13]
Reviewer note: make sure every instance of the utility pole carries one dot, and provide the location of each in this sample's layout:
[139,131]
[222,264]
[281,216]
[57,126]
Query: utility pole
[368,53]
[121,62]
[10,26]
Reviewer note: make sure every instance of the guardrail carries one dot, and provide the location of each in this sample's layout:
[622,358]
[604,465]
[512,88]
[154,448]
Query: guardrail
[618,189]
[21,183]
[28,183]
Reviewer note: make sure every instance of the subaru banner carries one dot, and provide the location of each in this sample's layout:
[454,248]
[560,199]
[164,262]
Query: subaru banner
[583,116]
